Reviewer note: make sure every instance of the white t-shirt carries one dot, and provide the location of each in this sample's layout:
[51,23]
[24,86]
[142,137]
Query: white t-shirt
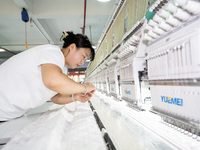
[21,85]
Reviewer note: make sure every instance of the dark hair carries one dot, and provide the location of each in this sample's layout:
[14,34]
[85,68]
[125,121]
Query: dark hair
[80,40]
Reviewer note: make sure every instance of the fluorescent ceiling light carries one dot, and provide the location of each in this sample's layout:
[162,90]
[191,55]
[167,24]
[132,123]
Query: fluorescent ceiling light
[103,0]
[2,50]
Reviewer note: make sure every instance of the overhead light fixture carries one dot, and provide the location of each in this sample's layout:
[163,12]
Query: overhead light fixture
[93,46]
[2,50]
[103,0]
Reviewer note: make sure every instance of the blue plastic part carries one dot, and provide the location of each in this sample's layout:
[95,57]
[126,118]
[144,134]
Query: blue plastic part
[24,14]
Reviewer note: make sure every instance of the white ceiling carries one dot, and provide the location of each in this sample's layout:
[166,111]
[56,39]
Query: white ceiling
[49,19]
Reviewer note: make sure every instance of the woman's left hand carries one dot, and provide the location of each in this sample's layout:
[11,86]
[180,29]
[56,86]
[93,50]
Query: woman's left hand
[83,97]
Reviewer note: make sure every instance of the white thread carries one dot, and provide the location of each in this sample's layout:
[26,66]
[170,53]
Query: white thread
[86,89]
[73,98]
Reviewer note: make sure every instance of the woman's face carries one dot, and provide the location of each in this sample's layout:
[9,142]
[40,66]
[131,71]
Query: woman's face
[77,56]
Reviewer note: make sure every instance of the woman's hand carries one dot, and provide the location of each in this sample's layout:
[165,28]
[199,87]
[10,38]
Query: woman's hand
[83,97]
[90,87]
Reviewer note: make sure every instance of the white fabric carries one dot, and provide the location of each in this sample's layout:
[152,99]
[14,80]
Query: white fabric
[21,85]
[68,127]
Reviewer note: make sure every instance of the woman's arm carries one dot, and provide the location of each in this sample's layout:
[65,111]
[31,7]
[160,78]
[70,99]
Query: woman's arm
[54,79]
[61,99]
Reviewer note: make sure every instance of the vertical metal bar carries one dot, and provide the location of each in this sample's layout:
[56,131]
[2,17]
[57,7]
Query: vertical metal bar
[85,3]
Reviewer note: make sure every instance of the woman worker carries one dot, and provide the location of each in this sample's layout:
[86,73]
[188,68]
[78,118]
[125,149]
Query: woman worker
[36,75]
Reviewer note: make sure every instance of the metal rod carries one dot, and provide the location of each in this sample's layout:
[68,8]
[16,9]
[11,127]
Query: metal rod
[85,3]
[7,50]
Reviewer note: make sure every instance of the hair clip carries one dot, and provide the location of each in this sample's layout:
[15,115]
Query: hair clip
[65,34]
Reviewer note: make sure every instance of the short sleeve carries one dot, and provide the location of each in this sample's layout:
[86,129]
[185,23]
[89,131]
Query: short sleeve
[52,55]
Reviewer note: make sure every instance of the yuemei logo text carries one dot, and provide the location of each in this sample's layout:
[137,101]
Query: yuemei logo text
[172,100]
[127,92]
